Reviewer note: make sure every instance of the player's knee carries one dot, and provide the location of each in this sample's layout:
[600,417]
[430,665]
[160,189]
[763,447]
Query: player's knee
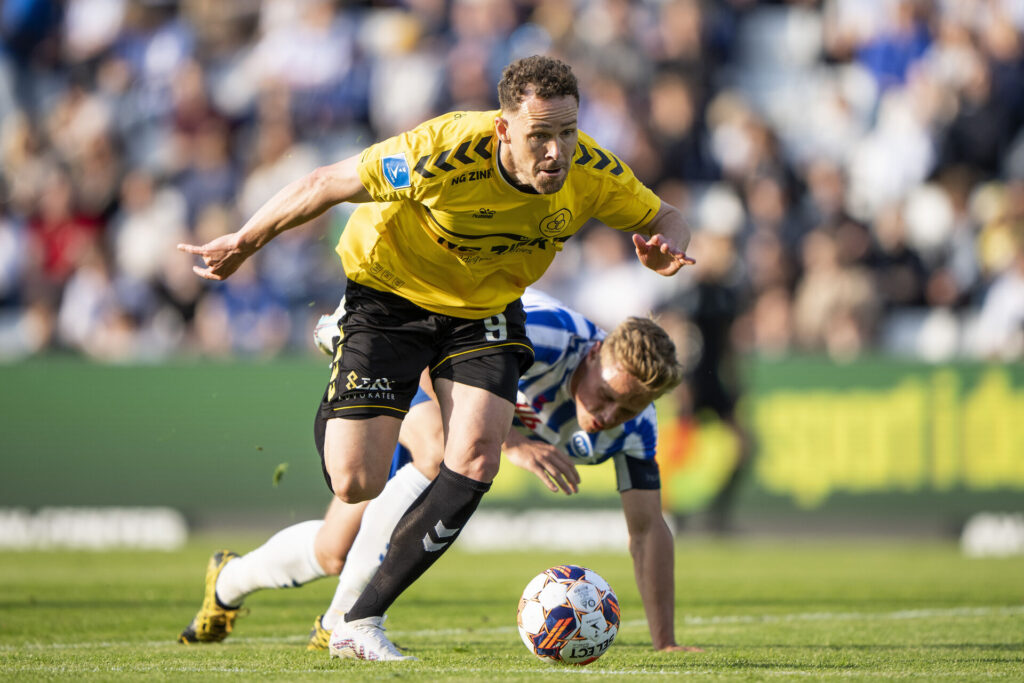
[352,493]
[352,488]
[428,460]
[484,471]
[330,563]
[480,468]
[428,469]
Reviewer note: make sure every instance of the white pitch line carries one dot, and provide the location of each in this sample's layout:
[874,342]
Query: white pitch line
[561,671]
[857,616]
[733,619]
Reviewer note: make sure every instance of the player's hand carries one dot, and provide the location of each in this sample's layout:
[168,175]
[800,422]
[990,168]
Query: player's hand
[221,256]
[551,465]
[660,255]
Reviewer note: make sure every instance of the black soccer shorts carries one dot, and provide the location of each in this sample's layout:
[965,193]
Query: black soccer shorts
[386,341]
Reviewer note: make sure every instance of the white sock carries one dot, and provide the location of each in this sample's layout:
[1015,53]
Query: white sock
[287,559]
[379,520]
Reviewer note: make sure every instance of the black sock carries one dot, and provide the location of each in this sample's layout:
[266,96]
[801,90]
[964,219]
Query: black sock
[428,528]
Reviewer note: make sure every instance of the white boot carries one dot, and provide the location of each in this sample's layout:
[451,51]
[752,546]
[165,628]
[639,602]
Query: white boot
[365,639]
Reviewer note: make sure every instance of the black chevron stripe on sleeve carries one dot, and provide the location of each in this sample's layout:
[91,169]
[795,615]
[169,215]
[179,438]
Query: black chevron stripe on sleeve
[442,161]
[481,147]
[603,159]
[460,153]
[585,156]
[618,165]
[421,166]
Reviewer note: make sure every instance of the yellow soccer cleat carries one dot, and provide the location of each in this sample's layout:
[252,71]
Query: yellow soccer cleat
[213,622]
[319,637]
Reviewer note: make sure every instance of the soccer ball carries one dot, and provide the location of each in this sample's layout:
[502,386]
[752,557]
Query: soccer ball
[568,614]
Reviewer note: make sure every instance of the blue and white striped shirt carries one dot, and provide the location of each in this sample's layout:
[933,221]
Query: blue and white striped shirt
[546,410]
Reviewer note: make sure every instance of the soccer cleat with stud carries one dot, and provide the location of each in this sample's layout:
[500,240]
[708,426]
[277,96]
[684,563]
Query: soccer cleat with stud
[365,639]
[213,622]
[319,637]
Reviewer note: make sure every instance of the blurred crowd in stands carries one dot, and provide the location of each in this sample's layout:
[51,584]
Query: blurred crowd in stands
[853,169]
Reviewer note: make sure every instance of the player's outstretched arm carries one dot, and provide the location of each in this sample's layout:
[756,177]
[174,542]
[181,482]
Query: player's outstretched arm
[650,544]
[550,464]
[664,248]
[295,204]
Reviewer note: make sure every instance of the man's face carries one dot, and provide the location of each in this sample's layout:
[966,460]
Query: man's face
[539,140]
[606,395]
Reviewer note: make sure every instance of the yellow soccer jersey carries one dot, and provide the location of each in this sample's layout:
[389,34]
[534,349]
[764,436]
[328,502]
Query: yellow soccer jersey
[448,232]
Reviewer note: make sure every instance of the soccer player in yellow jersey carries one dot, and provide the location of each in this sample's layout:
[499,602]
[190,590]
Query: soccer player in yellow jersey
[458,216]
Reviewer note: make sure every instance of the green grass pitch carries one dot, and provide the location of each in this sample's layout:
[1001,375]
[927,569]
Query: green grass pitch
[761,610]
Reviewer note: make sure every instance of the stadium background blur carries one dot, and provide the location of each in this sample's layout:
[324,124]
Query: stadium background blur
[853,171]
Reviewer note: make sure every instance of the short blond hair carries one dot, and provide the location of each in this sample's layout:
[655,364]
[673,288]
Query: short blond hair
[645,351]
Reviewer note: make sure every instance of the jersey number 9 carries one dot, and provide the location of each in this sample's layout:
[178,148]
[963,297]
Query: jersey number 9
[495,326]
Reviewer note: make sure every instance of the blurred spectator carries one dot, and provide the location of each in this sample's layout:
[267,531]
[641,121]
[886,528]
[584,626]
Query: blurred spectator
[609,35]
[897,43]
[769,327]
[24,166]
[191,114]
[870,155]
[824,201]
[835,307]
[607,115]
[90,317]
[13,247]
[702,321]
[981,129]
[177,293]
[999,330]
[279,159]
[404,70]
[602,286]
[677,130]
[310,50]
[30,56]
[1004,47]
[60,235]
[150,223]
[209,176]
[91,27]
[243,317]
[899,272]
[770,210]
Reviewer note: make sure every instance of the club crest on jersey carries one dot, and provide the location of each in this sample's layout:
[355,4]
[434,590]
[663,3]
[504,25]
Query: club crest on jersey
[556,223]
[396,170]
[580,445]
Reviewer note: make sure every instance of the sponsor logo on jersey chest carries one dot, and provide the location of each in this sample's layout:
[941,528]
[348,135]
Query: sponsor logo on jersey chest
[580,445]
[470,176]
